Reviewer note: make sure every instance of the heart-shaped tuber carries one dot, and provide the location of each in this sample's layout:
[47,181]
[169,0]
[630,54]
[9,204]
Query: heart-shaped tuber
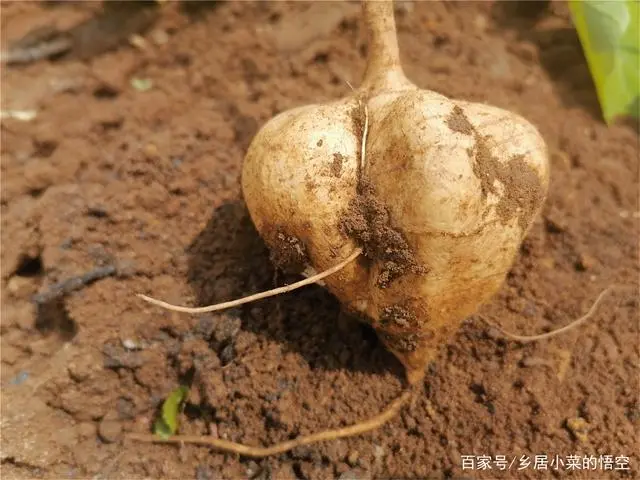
[439,204]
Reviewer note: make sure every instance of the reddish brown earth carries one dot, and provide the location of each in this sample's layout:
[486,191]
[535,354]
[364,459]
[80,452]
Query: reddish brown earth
[148,182]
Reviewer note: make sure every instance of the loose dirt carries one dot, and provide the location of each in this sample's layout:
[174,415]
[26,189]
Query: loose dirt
[367,221]
[289,253]
[523,191]
[458,121]
[147,180]
[336,165]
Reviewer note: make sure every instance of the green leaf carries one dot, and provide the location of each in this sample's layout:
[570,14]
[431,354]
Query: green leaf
[141,84]
[609,32]
[167,424]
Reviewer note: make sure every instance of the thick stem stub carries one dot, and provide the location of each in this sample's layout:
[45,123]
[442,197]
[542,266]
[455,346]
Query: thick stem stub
[384,70]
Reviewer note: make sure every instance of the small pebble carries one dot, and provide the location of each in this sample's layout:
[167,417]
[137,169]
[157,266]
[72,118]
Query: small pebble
[21,286]
[139,42]
[410,423]
[150,149]
[578,427]
[252,469]
[129,344]
[86,429]
[81,369]
[109,430]
[352,458]
[585,262]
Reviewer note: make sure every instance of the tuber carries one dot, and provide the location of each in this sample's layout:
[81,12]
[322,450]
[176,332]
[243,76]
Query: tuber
[427,198]
[440,203]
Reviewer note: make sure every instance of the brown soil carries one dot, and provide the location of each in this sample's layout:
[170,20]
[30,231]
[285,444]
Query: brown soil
[148,182]
[288,253]
[336,165]
[523,193]
[367,221]
[458,122]
[523,190]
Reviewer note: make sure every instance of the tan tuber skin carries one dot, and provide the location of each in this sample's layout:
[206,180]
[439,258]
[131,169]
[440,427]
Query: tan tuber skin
[437,194]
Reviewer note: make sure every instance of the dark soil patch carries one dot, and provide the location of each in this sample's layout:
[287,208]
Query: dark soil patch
[458,122]
[336,165]
[398,316]
[288,253]
[367,221]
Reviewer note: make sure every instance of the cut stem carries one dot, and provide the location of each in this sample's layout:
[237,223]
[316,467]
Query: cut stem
[256,296]
[383,59]
[566,328]
[261,452]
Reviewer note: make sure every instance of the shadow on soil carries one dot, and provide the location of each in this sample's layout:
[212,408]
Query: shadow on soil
[559,51]
[228,260]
